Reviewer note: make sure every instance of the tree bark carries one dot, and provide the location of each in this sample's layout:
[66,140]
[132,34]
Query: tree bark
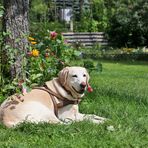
[16,23]
[81,8]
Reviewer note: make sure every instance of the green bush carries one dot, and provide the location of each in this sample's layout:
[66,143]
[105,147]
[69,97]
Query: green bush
[117,54]
[91,66]
[42,27]
[128,25]
[47,54]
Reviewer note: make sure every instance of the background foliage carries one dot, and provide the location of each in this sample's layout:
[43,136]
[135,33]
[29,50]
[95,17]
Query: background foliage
[125,23]
[128,24]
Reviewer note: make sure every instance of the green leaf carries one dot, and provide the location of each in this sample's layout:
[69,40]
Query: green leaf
[77,53]
[1,13]
[36,76]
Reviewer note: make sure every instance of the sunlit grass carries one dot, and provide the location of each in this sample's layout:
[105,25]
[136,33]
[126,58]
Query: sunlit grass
[120,94]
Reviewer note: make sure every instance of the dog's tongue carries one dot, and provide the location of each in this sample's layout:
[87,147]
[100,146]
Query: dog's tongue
[89,89]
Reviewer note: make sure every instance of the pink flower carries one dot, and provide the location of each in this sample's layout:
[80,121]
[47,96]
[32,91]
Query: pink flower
[53,35]
[24,90]
[65,41]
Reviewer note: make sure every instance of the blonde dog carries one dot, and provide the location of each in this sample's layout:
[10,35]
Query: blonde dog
[56,102]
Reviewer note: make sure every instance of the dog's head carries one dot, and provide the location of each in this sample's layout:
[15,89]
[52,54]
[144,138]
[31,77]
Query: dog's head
[75,80]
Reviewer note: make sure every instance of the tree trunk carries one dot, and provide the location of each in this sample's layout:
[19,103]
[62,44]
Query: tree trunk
[81,8]
[16,23]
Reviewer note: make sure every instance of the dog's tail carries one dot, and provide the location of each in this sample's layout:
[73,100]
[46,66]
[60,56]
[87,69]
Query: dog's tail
[3,105]
[1,113]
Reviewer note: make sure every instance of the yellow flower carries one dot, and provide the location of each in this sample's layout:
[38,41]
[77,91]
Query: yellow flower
[33,43]
[127,50]
[31,38]
[35,52]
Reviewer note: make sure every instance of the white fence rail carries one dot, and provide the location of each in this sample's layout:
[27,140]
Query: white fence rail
[87,39]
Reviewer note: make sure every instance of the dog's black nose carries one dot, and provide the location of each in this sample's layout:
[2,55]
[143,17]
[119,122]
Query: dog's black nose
[83,85]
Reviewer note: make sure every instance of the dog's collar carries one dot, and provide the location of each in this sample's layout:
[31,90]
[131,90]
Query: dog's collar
[68,101]
[64,88]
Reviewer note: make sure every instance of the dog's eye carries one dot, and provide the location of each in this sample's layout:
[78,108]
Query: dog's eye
[84,75]
[75,76]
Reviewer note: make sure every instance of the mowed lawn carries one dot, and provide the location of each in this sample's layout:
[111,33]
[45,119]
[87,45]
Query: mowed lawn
[120,94]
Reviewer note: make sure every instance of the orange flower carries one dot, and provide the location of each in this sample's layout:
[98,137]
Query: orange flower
[35,52]
[33,42]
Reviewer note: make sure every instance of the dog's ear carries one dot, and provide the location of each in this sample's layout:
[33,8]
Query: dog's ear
[63,74]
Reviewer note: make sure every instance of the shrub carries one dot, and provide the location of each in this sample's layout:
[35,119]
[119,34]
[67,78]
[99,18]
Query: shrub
[127,26]
[89,64]
[42,27]
[47,54]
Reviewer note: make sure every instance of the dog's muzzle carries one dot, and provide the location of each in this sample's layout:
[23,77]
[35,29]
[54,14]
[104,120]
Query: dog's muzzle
[82,88]
[83,85]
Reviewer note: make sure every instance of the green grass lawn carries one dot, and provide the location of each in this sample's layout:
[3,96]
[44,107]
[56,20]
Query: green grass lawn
[120,94]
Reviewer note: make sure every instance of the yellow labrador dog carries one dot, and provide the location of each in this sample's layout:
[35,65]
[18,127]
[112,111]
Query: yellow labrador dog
[56,102]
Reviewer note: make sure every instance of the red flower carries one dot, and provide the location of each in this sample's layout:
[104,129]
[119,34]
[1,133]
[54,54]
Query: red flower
[20,82]
[29,53]
[53,35]
[46,55]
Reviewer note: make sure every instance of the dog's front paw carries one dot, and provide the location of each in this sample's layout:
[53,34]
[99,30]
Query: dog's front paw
[98,119]
[67,121]
[95,119]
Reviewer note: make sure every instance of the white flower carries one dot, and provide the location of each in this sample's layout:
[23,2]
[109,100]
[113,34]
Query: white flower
[110,128]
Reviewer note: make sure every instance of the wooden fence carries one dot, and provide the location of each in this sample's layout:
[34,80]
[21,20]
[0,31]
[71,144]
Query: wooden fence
[86,39]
